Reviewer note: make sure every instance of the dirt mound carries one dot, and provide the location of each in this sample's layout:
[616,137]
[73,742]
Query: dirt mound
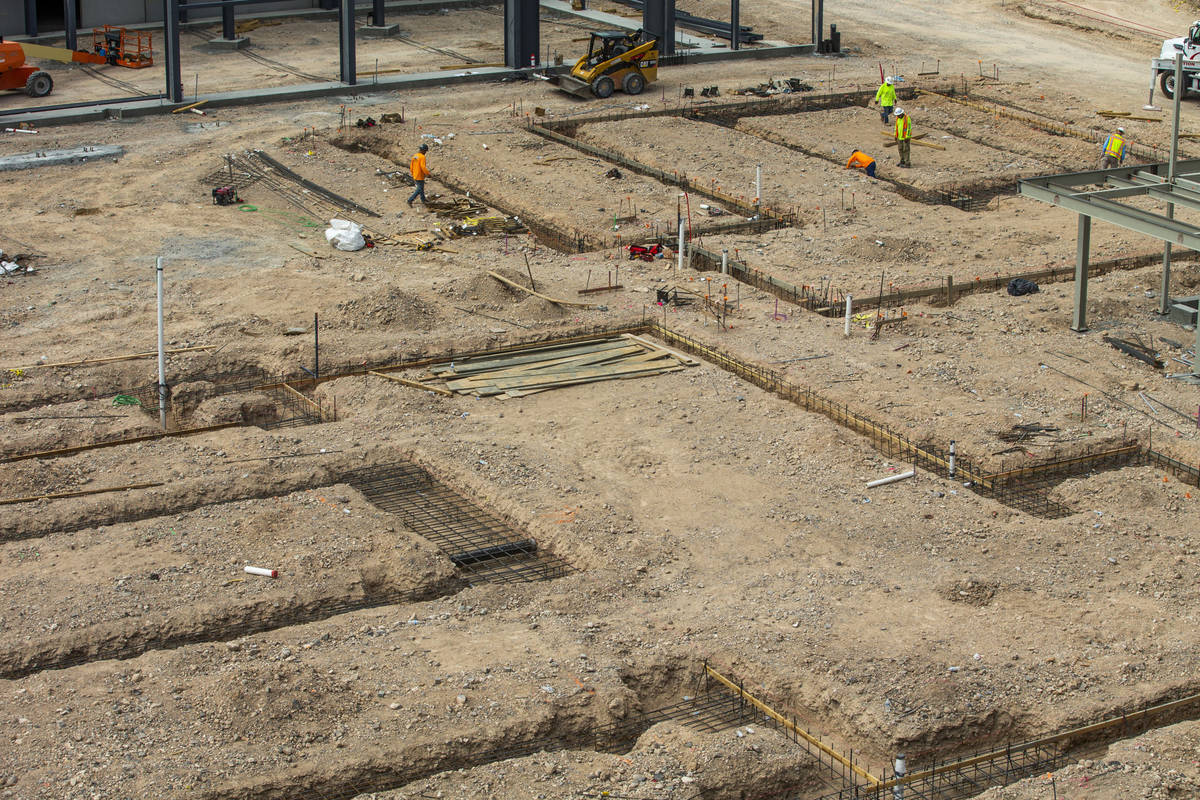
[387,308]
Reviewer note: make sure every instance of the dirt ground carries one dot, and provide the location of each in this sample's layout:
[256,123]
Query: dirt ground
[703,519]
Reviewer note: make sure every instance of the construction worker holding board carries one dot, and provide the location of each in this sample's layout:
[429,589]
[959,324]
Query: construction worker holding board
[885,95]
[1113,151]
[903,137]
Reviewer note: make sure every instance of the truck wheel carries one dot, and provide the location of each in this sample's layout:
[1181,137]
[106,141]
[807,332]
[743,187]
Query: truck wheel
[39,84]
[634,83]
[602,87]
[1166,81]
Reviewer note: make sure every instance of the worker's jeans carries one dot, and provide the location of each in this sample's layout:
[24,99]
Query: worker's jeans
[885,112]
[1108,162]
[418,192]
[905,146]
[871,170]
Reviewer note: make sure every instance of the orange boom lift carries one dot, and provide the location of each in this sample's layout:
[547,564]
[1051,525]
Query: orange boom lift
[110,45]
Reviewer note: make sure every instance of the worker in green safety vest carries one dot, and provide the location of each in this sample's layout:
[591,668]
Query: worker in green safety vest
[885,95]
[903,137]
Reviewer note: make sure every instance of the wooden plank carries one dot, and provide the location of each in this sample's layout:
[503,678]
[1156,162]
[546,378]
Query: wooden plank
[683,357]
[66,451]
[519,287]
[59,495]
[548,368]
[914,140]
[500,361]
[413,384]
[110,359]
[305,250]
[188,107]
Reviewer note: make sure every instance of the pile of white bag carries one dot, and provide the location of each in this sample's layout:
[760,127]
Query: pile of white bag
[345,235]
[10,267]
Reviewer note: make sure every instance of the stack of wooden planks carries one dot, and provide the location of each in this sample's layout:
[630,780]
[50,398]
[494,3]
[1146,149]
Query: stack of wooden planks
[534,370]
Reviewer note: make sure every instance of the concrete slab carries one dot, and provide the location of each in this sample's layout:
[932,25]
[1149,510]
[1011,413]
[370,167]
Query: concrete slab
[47,158]
[239,43]
[378,31]
[1183,310]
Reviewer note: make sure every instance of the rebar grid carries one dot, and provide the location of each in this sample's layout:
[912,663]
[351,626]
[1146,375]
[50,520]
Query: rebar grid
[483,547]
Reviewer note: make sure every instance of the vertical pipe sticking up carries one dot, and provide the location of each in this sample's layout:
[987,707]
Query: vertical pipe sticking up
[679,253]
[849,300]
[900,769]
[951,463]
[162,361]
[724,260]
[758,185]
[316,346]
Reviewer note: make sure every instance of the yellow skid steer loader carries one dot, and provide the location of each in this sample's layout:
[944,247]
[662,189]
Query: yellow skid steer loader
[615,60]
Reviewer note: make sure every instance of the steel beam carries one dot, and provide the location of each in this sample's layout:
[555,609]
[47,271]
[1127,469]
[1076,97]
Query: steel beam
[71,24]
[347,58]
[174,72]
[1083,245]
[658,20]
[1134,219]
[522,27]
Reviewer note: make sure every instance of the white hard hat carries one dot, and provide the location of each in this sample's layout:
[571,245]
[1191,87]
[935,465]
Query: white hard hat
[899,112]
[888,81]
[1120,130]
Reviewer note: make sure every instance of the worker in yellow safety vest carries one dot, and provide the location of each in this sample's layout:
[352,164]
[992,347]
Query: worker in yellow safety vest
[885,95]
[903,137]
[1113,152]
[419,173]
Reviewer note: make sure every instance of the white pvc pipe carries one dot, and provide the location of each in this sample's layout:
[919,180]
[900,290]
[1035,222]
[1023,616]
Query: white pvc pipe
[892,479]
[679,252]
[758,184]
[162,370]
[849,299]
[18,130]
[725,261]
[266,573]
[951,458]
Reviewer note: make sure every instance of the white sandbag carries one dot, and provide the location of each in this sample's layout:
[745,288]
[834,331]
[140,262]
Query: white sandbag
[345,235]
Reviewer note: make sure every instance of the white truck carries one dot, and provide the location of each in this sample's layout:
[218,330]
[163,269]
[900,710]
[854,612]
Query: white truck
[1163,67]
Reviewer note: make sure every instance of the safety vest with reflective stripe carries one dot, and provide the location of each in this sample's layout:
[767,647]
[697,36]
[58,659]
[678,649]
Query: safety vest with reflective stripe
[885,95]
[1114,146]
[903,130]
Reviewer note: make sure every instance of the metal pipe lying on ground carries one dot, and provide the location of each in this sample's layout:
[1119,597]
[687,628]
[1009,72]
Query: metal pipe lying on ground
[891,479]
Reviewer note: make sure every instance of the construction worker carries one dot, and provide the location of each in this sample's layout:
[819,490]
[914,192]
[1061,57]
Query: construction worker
[1113,151]
[903,137]
[420,171]
[860,160]
[885,95]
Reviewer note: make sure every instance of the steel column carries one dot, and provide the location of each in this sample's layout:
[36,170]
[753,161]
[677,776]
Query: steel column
[228,30]
[735,24]
[71,24]
[31,28]
[658,20]
[377,14]
[347,57]
[1164,303]
[818,23]
[522,30]
[174,73]
[1083,245]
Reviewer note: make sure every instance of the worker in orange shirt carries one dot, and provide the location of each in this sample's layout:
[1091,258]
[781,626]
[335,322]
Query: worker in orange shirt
[860,160]
[420,171]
